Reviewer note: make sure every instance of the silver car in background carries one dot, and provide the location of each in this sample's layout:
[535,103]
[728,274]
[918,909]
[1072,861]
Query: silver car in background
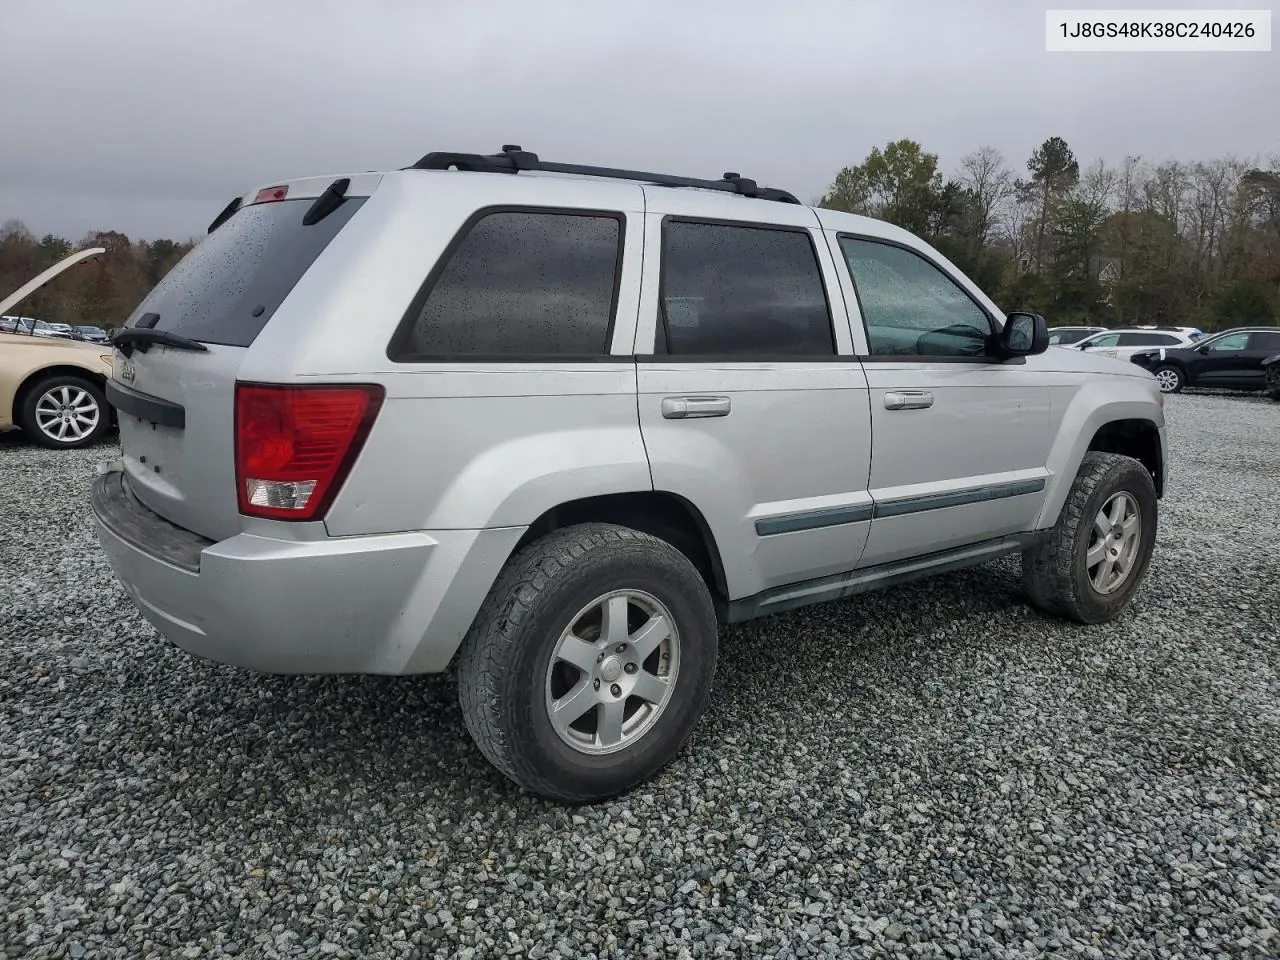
[550,425]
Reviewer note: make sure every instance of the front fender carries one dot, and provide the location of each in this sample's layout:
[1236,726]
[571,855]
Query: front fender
[1094,404]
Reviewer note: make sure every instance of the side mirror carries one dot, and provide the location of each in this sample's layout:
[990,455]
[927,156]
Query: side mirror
[1024,335]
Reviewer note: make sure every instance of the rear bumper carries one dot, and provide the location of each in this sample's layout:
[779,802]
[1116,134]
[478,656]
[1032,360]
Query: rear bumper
[387,604]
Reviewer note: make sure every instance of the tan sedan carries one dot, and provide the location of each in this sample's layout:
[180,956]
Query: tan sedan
[54,390]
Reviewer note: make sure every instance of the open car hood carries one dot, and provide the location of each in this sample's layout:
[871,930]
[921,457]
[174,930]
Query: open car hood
[38,281]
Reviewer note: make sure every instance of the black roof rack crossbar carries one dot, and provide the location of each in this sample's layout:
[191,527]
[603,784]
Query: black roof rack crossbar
[512,160]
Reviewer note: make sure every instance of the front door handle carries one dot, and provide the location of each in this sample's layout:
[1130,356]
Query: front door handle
[908,400]
[687,408]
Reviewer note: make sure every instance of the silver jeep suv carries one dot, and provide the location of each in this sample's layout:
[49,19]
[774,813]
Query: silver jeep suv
[550,426]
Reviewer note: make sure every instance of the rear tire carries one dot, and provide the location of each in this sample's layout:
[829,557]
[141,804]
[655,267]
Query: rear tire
[590,594]
[64,411]
[1170,378]
[1066,573]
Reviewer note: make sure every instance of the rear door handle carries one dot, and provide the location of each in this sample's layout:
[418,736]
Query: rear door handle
[687,408]
[908,400]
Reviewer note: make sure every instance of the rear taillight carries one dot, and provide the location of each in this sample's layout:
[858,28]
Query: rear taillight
[296,444]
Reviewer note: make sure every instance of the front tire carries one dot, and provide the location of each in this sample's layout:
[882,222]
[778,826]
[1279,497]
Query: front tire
[1090,564]
[1170,379]
[64,412]
[589,663]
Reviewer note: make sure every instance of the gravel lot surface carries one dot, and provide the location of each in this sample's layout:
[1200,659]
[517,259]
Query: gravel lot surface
[932,771]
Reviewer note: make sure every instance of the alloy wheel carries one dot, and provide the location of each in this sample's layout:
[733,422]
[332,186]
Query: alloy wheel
[67,413]
[1114,543]
[612,672]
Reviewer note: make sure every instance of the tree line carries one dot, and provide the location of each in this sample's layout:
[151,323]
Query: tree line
[1168,243]
[100,293]
[1171,242]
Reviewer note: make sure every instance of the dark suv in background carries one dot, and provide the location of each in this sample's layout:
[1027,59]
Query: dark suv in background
[1232,360]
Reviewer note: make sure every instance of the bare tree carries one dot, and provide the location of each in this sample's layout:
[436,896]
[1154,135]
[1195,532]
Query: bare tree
[1017,225]
[15,229]
[990,186]
[1131,178]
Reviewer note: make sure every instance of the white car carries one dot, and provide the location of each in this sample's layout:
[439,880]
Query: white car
[1125,342]
[1069,336]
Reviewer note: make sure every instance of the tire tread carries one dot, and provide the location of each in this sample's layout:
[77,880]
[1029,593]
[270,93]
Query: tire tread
[486,682]
[1048,572]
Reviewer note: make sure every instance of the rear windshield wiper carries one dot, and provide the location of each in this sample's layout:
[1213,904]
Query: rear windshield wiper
[330,200]
[225,215]
[141,339]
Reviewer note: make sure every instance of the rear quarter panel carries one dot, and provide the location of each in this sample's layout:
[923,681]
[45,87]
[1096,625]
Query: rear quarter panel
[459,445]
[467,449]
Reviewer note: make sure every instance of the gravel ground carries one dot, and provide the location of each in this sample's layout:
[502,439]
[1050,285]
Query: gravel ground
[932,771]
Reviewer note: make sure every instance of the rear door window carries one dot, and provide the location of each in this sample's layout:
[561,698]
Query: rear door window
[520,284]
[1265,341]
[227,288]
[741,290]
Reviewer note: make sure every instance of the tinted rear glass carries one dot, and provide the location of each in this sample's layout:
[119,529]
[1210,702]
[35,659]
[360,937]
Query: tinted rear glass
[1265,340]
[521,283]
[226,289]
[732,289]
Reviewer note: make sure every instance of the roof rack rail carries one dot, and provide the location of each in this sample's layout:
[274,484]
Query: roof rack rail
[512,159]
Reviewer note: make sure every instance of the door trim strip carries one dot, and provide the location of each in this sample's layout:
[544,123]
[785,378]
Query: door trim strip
[957,498]
[813,519]
[862,512]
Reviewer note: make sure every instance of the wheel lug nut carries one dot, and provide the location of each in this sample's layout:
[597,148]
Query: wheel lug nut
[595,684]
[630,668]
[621,647]
[616,690]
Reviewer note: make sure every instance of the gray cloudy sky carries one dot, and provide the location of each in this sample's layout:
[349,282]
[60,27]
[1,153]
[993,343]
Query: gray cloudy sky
[147,116]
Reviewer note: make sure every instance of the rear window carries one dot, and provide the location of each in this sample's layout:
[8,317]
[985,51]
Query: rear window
[226,289]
